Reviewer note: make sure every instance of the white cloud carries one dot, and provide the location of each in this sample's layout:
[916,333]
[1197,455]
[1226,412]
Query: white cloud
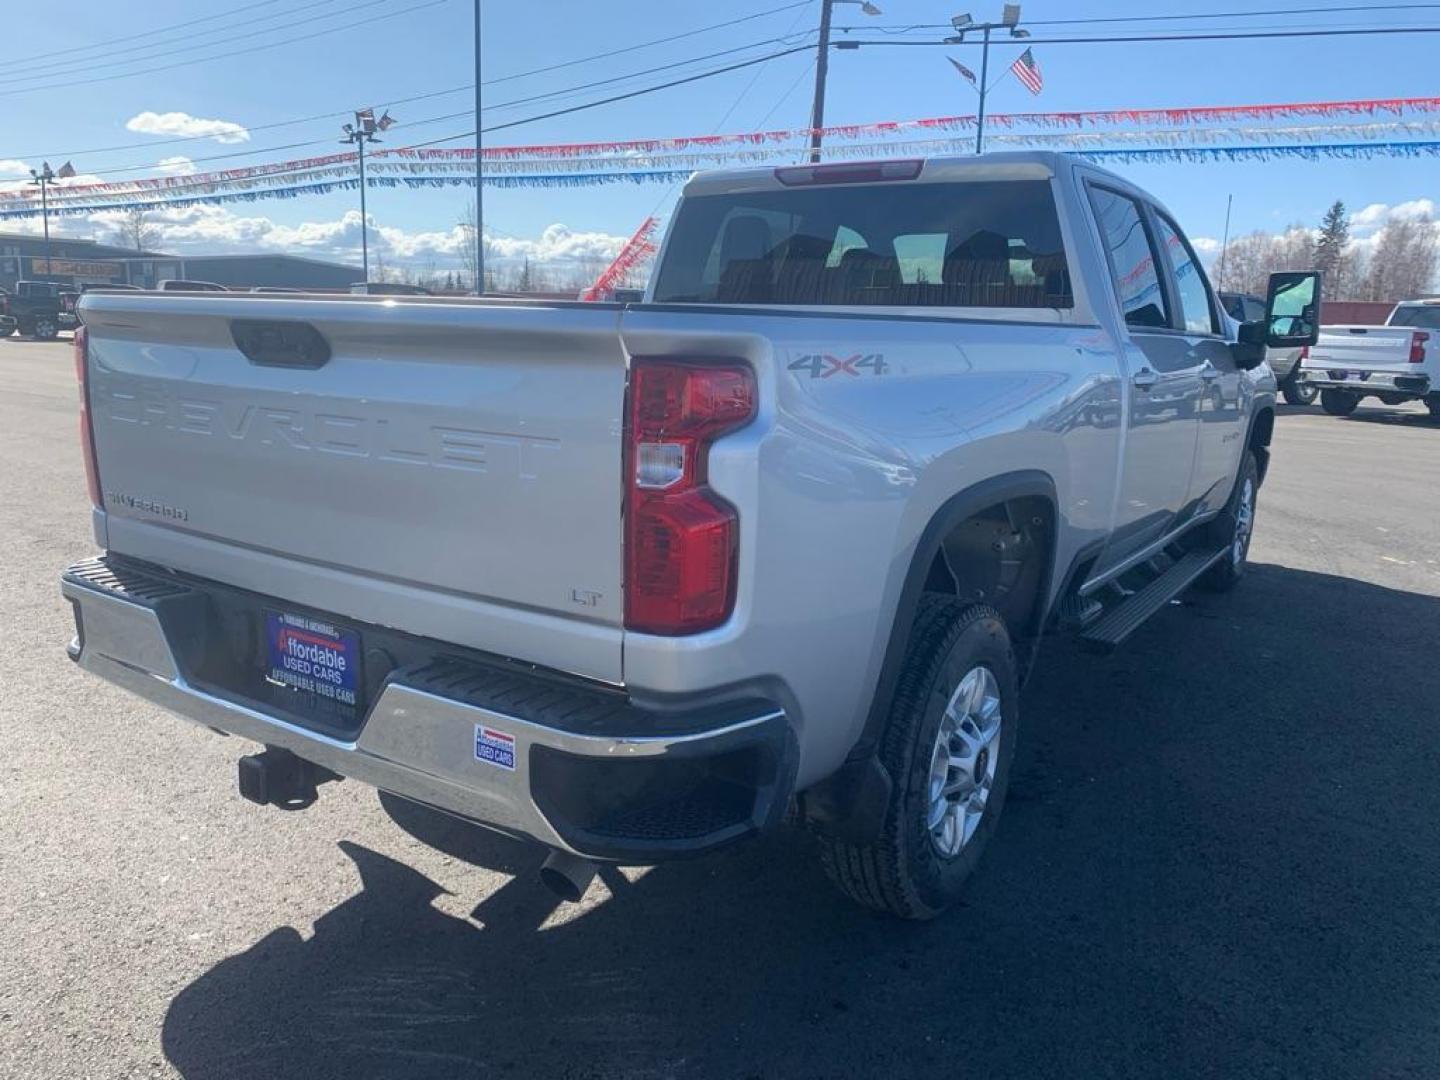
[1205,245]
[14,167]
[207,230]
[179,165]
[183,124]
[1373,218]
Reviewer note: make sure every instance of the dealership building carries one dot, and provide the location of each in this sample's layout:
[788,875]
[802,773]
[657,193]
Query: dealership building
[88,262]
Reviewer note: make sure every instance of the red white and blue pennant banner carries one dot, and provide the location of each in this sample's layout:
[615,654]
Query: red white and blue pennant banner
[1116,135]
[1193,154]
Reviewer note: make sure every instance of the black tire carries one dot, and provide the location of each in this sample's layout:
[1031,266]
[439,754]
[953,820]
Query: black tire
[1226,529]
[1297,392]
[1432,402]
[25,329]
[45,328]
[903,871]
[1339,402]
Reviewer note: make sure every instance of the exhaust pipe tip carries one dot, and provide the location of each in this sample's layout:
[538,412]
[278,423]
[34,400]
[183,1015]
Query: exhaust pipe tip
[567,876]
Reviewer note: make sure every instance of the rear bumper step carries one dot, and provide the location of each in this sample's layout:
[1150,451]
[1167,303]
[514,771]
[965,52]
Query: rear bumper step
[590,772]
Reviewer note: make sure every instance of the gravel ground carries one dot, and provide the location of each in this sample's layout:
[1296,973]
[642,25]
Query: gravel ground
[1220,856]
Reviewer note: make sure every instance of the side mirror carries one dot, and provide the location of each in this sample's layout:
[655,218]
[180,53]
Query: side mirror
[1292,310]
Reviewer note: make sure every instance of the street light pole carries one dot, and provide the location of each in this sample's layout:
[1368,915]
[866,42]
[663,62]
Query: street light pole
[364,131]
[963,25]
[984,81]
[44,178]
[822,68]
[479,170]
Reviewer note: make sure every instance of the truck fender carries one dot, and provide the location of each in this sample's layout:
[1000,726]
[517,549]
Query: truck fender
[851,802]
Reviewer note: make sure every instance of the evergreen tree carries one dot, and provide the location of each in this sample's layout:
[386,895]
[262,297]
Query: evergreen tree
[1330,256]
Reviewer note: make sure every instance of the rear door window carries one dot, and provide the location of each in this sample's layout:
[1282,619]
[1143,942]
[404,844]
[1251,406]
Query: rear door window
[991,244]
[1192,291]
[1133,260]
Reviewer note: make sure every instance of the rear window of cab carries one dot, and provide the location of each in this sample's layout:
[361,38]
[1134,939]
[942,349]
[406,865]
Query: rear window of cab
[981,244]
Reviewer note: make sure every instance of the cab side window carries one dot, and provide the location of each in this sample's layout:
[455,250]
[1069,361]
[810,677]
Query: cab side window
[1197,313]
[1133,261]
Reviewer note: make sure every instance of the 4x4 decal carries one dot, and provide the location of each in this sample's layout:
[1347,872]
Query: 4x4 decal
[823,365]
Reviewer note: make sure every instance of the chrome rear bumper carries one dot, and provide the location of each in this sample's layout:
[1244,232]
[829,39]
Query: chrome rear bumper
[419,738]
[1370,382]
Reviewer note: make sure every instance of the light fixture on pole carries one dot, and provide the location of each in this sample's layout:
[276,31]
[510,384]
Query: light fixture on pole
[44,178]
[822,68]
[964,24]
[363,131]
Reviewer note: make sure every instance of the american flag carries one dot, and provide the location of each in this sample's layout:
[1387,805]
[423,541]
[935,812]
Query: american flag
[1028,72]
[965,72]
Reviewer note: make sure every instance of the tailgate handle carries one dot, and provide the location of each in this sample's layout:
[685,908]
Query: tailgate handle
[280,344]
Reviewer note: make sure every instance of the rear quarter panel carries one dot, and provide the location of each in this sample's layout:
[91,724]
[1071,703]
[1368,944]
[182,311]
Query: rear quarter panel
[867,425]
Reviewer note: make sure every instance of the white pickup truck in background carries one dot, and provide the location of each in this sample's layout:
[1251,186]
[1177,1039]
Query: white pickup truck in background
[1397,362]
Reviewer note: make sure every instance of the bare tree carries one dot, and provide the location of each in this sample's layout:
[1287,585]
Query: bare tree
[467,250]
[379,271]
[1249,261]
[137,231]
[1405,259]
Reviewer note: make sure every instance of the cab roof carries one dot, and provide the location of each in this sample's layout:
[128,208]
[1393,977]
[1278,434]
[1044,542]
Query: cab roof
[1008,165]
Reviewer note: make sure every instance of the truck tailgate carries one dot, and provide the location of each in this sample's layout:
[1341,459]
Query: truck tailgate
[1363,348]
[453,470]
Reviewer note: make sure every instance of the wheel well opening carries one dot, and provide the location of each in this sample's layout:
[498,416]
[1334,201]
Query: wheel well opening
[1000,556]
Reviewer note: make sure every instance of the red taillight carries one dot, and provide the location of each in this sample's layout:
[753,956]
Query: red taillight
[681,540]
[87,433]
[1417,346]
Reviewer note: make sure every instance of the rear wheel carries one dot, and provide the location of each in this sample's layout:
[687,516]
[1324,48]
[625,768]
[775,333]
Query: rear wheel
[1298,392]
[947,745]
[45,328]
[1433,404]
[1233,528]
[1339,402]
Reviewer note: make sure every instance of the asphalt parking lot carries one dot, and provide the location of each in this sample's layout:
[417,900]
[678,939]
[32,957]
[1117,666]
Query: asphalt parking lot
[1220,857]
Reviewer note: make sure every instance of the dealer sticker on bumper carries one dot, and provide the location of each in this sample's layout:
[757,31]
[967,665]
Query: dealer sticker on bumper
[494,747]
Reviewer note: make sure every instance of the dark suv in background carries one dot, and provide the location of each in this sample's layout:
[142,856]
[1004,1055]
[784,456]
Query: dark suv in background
[34,309]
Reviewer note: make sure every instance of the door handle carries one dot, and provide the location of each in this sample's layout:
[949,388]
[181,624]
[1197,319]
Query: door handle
[1144,379]
[1209,372]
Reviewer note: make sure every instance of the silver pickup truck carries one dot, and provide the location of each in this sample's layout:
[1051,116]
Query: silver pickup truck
[638,581]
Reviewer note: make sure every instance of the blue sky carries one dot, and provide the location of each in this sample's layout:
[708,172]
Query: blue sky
[412,49]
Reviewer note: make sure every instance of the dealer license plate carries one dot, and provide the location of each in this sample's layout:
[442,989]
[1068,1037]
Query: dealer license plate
[313,657]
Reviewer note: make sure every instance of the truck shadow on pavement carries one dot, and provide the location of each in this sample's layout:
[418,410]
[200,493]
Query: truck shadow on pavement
[1219,859]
